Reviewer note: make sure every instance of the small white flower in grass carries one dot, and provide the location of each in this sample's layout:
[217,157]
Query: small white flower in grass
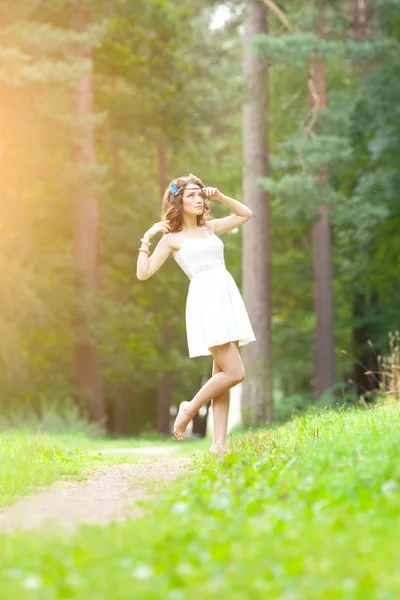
[176,595]
[14,573]
[179,508]
[389,487]
[349,584]
[291,595]
[184,568]
[73,579]
[125,562]
[221,502]
[143,572]
[32,582]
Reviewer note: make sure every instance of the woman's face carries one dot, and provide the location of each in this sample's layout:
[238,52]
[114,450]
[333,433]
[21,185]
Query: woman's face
[193,199]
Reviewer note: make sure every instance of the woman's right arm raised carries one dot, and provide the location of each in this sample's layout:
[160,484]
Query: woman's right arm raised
[147,265]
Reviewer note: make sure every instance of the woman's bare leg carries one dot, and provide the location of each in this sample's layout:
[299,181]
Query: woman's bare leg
[220,410]
[232,372]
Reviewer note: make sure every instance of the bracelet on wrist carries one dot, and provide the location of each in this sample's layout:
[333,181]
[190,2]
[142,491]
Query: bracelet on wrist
[145,241]
[144,250]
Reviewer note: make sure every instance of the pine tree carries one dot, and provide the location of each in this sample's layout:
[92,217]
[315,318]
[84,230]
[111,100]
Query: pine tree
[88,369]
[311,161]
[257,404]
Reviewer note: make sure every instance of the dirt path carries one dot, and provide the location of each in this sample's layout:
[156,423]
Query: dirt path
[109,493]
[142,451]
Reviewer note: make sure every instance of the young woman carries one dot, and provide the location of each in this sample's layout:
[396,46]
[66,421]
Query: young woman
[216,318]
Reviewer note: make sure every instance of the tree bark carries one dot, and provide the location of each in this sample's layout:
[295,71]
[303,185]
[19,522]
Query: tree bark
[200,422]
[322,266]
[323,302]
[121,412]
[362,304]
[257,404]
[88,372]
[359,13]
[165,387]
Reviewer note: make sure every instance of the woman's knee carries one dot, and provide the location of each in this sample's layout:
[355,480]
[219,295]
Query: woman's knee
[216,368]
[242,376]
[237,376]
[228,361]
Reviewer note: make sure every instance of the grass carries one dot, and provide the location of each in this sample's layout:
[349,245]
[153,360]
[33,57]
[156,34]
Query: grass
[83,441]
[187,447]
[28,461]
[308,511]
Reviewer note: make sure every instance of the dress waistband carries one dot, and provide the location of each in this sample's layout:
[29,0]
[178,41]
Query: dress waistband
[204,268]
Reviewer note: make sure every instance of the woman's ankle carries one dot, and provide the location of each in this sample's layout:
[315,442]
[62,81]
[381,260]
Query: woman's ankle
[187,408]
[217,448]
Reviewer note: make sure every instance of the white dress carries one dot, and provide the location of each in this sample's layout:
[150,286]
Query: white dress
[215,311]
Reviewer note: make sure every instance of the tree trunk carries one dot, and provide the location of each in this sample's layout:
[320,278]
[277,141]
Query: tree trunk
[200,421]
[323,276]
[362,330]
[323,302]
[257,405]
[359,13]
[88,373]
[121,412]
[165,387]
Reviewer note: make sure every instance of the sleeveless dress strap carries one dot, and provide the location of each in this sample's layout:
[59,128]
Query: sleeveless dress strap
[209,230]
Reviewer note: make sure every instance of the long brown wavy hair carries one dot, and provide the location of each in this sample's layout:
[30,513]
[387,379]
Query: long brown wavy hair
[172,204]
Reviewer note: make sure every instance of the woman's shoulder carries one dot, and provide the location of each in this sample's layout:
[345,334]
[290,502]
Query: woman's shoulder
[172,240]
[209,225]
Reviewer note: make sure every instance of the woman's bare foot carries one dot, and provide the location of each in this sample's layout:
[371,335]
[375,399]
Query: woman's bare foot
[182,420]
[217,450]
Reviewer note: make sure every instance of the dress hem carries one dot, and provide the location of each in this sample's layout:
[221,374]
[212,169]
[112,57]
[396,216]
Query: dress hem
[242,342]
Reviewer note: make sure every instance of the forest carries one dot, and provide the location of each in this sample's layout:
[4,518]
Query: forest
[290,107]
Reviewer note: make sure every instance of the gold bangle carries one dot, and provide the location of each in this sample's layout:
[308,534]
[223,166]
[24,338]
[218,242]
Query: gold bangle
[143,250]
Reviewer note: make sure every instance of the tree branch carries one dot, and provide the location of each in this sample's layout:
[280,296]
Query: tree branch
[316,102]
[271,4]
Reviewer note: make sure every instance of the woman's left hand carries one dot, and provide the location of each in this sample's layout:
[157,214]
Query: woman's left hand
[212,193]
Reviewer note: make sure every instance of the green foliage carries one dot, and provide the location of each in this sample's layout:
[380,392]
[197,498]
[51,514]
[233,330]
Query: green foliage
[164,80]
[354,144]
[154,80]
[49,417]
[295,49]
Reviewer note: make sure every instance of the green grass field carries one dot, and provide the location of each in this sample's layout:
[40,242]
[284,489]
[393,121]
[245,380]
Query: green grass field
[29,461]
[307,511]
[84,442]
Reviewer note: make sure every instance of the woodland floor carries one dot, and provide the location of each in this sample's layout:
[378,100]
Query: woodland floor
[107,494]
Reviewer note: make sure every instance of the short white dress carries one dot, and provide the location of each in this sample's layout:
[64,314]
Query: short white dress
[215,311]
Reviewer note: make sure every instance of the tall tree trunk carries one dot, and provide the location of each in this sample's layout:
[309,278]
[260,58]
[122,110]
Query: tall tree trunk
[359,13]
[323,302]
[200,421]
[165,386]
[257,405]
[121,410]
[362,329]
[323,276]
[88,373]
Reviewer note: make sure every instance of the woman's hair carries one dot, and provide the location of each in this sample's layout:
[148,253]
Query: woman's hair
[172,204]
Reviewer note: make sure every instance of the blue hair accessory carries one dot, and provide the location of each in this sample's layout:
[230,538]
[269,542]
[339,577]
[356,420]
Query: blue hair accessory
[175,190]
